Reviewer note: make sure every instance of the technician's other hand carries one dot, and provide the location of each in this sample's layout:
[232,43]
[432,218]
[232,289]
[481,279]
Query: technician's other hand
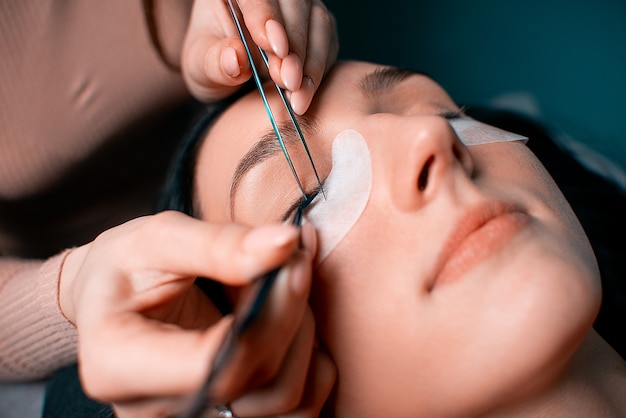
[147,334]
[299,36]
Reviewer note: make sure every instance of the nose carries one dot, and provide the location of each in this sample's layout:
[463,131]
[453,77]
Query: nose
[424,156]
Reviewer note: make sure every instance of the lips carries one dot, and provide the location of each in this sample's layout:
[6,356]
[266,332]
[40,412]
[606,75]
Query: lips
[479,233]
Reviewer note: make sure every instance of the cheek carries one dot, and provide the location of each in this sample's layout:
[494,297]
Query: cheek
[512,170]
[367,313]
[394,349]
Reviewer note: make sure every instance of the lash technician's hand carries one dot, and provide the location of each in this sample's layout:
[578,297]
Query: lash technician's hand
[300,38]
[147,334]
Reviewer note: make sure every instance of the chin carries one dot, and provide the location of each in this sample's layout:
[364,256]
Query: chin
[552,315]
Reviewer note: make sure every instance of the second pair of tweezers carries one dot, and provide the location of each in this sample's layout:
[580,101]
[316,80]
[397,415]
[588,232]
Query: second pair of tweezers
[248,311]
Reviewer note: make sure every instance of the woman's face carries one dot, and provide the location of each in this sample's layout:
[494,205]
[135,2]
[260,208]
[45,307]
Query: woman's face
[452,279]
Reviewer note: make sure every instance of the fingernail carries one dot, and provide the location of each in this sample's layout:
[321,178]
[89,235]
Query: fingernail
[269,236]
[291,72]
[301,99]
[277,38]
[229,62]
[300,277]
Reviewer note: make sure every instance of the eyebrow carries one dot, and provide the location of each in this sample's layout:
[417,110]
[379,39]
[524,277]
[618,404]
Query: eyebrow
[268,146]
[371,85]
[384,79]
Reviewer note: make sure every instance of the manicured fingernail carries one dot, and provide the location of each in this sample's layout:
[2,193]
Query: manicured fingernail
[291,72]
[277,38]
[229,62]
[276,236]
[301,99]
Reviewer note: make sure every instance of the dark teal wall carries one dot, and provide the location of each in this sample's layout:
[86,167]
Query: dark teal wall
[570,54]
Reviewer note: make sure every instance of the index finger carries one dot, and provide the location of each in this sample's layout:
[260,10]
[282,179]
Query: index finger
[229,253]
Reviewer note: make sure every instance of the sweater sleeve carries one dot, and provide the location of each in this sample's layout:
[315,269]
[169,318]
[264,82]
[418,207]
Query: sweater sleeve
[35,337]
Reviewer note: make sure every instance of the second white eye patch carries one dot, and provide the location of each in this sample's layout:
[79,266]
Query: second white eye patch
[472,132]
[349,184]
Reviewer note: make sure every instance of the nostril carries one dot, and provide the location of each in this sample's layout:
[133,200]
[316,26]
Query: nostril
[422,180]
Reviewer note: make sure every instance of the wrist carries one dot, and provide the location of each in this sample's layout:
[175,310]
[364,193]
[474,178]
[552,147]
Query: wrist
[69,271]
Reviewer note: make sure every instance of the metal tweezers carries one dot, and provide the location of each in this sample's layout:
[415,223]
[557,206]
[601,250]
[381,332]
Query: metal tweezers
[245,316]
[281,93]
[251,308]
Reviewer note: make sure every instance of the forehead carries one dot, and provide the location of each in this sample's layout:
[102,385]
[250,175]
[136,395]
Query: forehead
[351,89]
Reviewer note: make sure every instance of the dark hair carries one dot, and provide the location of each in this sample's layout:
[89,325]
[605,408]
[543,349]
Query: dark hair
[177,190]
[599,204]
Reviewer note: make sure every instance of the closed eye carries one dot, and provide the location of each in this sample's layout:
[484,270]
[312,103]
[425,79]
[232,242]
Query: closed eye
[302,202]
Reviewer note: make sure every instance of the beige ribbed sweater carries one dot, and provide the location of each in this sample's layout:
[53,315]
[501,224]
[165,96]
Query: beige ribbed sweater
[89,114]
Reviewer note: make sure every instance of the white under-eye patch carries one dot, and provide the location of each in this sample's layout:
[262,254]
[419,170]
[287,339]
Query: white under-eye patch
[349,184]
[472,132]
[347,190]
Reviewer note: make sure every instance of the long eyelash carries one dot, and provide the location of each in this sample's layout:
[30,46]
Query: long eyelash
[454,114]
[302,203]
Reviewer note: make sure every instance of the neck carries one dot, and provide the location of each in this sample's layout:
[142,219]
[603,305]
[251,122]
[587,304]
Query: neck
[594,384]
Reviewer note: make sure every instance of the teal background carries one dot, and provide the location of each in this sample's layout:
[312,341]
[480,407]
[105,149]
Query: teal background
[570,56]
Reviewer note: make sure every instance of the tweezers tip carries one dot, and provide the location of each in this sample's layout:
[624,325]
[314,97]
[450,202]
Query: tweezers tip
[323,191]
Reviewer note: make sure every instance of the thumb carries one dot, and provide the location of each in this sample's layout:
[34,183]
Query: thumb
[214,68]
